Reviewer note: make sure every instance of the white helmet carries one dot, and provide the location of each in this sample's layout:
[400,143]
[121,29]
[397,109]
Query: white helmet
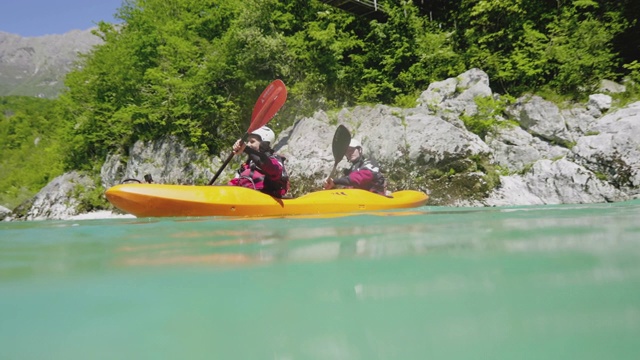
[265,133]
[355,143]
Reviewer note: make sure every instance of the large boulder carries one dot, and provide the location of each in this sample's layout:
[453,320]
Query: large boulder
[612,148]
[564,182]
[541,118]
[307,147]
[166,160]
[60,199]
[456,96]
[516,150]
[554,182]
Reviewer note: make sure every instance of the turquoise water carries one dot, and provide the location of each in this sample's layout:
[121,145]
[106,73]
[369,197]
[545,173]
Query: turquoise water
[548,282]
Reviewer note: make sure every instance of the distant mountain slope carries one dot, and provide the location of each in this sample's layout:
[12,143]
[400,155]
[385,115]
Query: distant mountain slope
[36,66]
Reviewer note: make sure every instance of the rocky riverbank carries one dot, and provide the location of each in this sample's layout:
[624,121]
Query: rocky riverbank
[523,152]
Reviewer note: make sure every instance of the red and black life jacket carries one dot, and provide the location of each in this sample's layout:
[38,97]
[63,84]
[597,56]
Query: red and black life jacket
[250,175]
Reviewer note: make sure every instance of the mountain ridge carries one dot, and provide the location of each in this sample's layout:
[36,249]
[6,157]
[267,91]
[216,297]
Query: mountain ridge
[36,66]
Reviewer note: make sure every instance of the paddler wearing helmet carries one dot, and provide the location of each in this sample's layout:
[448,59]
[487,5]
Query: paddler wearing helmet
[263,170]
[363,174]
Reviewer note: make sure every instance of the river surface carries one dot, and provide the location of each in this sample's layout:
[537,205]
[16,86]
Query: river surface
[533,282]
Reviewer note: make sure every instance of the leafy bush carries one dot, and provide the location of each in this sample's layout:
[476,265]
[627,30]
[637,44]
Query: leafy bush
[90,199]
[488,115]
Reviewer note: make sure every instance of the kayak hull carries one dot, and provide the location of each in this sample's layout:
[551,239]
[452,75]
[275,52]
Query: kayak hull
[158,200]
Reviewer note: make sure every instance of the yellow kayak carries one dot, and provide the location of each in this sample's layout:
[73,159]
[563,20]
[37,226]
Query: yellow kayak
[157,200]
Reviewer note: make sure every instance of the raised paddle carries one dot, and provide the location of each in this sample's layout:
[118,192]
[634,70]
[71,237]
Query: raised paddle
[341,140]
[268,104]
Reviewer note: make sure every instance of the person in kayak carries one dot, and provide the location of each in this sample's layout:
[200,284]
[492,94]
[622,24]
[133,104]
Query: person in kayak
[363,174]
[263,170]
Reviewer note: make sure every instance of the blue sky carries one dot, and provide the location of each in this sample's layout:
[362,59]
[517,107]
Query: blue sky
[45,17]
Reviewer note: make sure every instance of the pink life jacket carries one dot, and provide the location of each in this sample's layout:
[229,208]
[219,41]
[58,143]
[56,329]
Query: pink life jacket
[271,179]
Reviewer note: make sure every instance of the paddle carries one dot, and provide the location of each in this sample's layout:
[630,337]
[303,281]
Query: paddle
[341,140]
[268,104]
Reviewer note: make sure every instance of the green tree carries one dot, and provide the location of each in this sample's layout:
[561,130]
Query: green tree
[581,47]
[404,55]
[194,68]
[30,153]
[151,78]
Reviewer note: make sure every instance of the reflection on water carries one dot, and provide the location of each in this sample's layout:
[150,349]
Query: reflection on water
[397,285]
[65,246]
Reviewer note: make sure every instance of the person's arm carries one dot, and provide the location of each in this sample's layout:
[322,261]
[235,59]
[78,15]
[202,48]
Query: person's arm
[360,178]
[343,181]
[356,178]
[269,165]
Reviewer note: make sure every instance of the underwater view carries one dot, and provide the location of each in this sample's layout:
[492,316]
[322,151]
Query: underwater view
[528,282]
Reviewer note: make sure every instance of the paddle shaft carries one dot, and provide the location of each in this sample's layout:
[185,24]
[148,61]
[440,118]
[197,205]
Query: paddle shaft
[335,165]
[226,162]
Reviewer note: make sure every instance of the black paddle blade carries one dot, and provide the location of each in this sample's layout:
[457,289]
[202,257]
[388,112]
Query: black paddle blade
[341,140]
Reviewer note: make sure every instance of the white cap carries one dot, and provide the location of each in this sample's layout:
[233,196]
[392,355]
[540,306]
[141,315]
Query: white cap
[355,143]
[265,133]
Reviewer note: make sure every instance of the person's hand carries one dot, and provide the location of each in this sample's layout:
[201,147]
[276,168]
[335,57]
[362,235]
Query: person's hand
[238,147]
[329,184]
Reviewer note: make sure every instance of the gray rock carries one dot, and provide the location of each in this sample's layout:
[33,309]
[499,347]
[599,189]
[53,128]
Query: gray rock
[308,147]
[456,95]
[166,160]
[578,120]
[564,182]
[598,104]
[613,148]
[554,182]
[112,171]
[541,118]
[611,87]
[57,200]
[515,149]
[432,140]
[4,212]
[513,190]
[381,129]
[437,93]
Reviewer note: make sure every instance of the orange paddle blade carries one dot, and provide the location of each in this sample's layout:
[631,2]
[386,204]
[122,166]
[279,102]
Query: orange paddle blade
[268,104]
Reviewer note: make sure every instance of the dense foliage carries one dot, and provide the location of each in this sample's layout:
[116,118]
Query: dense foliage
[30,153]
[193,68]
